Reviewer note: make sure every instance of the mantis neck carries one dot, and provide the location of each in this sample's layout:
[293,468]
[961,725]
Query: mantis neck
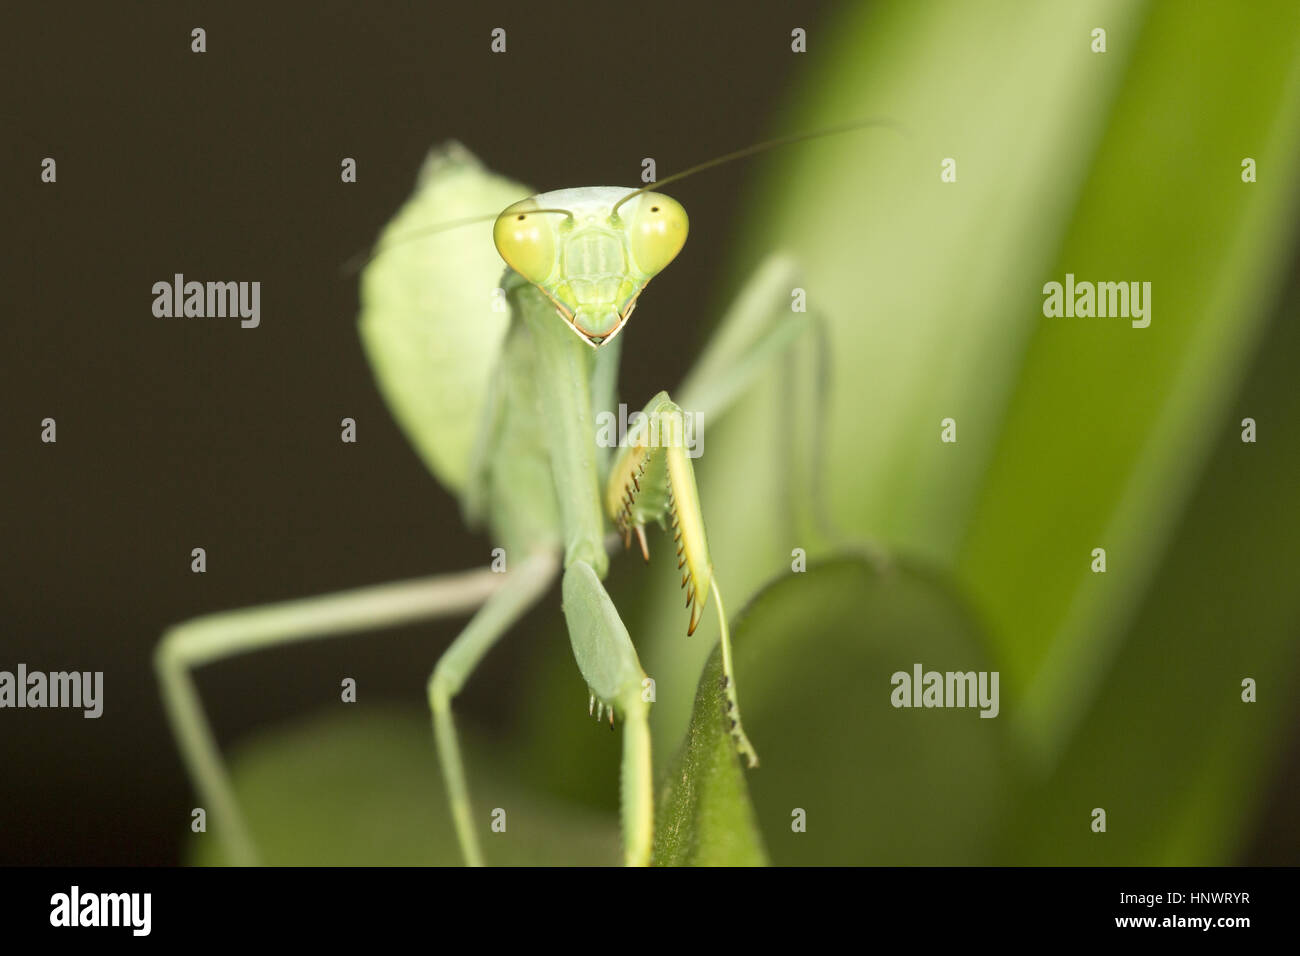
[563,372]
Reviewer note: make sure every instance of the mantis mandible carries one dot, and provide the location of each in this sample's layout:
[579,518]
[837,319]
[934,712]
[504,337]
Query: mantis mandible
[501,405]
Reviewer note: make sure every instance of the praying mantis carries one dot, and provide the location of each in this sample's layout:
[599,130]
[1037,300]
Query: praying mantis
[497,382]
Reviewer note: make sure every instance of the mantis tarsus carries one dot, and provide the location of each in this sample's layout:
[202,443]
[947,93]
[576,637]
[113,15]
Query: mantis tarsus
[501,407]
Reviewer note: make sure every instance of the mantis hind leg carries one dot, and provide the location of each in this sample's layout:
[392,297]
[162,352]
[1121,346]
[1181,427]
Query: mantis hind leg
[203,640]
[757,329]
[521,590]
[760,331]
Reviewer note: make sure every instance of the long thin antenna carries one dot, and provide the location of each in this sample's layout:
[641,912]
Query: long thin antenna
[759,148]
[363,259]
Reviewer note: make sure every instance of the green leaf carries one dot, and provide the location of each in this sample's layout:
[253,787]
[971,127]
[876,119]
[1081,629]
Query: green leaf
[1110,426]
[1168,748]
[363,789]
[814,654]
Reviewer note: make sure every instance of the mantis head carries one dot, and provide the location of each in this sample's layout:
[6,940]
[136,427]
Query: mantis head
[591,250]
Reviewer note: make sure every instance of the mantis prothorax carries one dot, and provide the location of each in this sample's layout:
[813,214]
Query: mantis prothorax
[502,408]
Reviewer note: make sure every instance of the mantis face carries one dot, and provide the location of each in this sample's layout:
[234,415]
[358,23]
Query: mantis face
[590,252]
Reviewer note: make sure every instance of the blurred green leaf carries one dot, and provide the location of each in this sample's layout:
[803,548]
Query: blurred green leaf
[1167,747]
[879,785]
[1109,426]
[363,789]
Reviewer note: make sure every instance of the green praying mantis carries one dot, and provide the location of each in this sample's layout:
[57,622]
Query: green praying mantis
[498,382]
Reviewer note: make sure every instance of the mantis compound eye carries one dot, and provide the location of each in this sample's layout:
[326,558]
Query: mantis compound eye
[657,230]
[526,240]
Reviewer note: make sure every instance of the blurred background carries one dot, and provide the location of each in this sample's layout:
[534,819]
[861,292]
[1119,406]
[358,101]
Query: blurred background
[1119,690]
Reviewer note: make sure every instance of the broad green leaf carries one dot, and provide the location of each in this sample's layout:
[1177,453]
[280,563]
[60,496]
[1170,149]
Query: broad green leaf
[1110,426]
[363,789]
[1168,747]
[430,323]
[815,652]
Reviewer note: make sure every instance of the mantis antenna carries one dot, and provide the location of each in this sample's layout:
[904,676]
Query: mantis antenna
[360,261]
[363,259]
[755,149]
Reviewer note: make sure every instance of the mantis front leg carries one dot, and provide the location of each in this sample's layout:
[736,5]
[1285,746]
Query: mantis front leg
[653,480]
[608,661]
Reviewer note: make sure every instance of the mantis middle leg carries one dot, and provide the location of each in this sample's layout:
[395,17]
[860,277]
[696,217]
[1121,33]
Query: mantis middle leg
[759,331]
[203,640]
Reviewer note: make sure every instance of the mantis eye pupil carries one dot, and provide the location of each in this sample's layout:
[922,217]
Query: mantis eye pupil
[657,232]
[526,242]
